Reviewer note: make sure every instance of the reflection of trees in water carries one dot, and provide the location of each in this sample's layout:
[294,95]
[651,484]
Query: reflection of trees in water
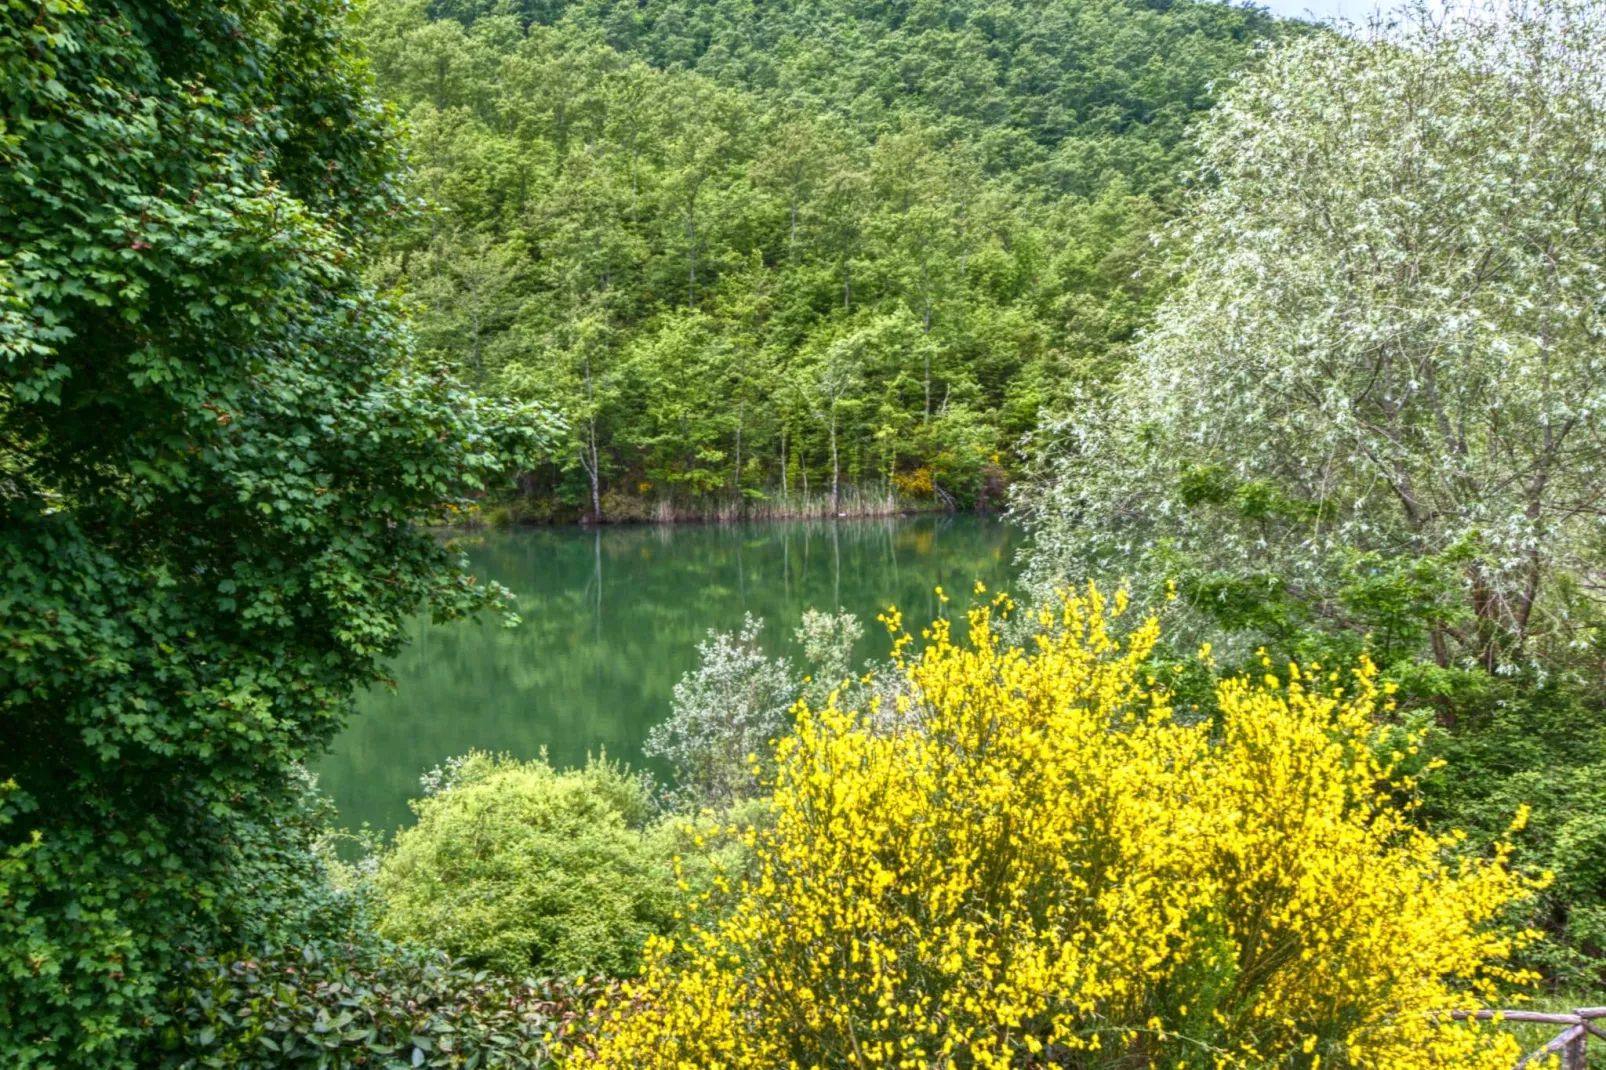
[611,619]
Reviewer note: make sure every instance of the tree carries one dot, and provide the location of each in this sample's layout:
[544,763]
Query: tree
[792,161]
[571,368]
[700,146]
[215,455]
[919,222]
[842,207]
[565,349]
[828,387]
[472,300]
[1388,338]
[747,307]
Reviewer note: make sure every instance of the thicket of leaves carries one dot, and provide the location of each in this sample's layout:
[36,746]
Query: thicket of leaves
[383,1008]
[757,253]
[213,450]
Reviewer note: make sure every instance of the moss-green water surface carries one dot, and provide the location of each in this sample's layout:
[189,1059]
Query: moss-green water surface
[612,618]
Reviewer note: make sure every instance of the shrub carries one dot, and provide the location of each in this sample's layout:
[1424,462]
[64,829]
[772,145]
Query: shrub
[1041,866]
[723,718]
[382,1007]
[727,713]
[1521,740]
[518,867]
[827,640]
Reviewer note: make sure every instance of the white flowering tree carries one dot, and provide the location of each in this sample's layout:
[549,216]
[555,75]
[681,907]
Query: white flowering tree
[1388,345]
[724,717]
[727,712]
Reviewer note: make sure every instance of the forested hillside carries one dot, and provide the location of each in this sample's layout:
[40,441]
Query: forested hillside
[763,257]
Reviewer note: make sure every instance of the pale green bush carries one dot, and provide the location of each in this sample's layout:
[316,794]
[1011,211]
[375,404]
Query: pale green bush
[522,868]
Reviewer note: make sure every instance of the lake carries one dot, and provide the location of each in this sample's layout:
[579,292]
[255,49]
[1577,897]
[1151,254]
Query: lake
[611,619]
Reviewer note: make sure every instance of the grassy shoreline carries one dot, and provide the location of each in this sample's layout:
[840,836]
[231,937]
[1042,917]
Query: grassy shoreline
[620,508]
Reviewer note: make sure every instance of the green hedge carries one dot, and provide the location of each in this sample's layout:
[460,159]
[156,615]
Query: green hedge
[370,1008]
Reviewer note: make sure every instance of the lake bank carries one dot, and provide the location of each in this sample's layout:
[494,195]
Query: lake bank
[618,506]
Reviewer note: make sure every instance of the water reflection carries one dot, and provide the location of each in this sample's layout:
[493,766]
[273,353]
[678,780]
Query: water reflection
[612,618]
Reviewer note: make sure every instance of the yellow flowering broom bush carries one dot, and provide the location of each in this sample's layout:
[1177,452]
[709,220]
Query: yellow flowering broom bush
[1039,865]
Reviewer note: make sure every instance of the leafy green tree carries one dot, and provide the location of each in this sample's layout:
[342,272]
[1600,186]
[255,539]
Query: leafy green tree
[792,163]
[473,297]
[215,455]
[575,369]
[828,385]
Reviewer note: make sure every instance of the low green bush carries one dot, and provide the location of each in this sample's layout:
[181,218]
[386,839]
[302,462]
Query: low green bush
[524,869]
[369,1006]
[1529,741]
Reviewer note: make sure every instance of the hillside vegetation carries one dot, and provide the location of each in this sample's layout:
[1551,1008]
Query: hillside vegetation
[764,254]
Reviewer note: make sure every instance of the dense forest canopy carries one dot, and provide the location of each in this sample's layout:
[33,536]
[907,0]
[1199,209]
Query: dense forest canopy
[1060,95]
[760,251]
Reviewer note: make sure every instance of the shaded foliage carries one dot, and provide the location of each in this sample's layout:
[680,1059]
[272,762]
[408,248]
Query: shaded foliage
[383,1007]
[213,450]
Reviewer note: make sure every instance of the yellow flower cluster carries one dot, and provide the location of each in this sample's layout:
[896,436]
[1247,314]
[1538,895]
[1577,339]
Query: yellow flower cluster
[1041,866]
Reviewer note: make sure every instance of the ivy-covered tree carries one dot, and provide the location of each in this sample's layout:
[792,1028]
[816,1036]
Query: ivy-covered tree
[214,451]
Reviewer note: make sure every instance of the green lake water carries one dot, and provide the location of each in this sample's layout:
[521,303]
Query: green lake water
[612,618]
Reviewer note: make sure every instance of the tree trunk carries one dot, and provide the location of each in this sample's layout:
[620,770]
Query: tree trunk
[596,478]
[741,413]
[964,217]
[1485,622]
[691,253]
[926,419]
[836,500]
[925,292]
[635,160]
[590,458]
[435,228]
[475,319]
